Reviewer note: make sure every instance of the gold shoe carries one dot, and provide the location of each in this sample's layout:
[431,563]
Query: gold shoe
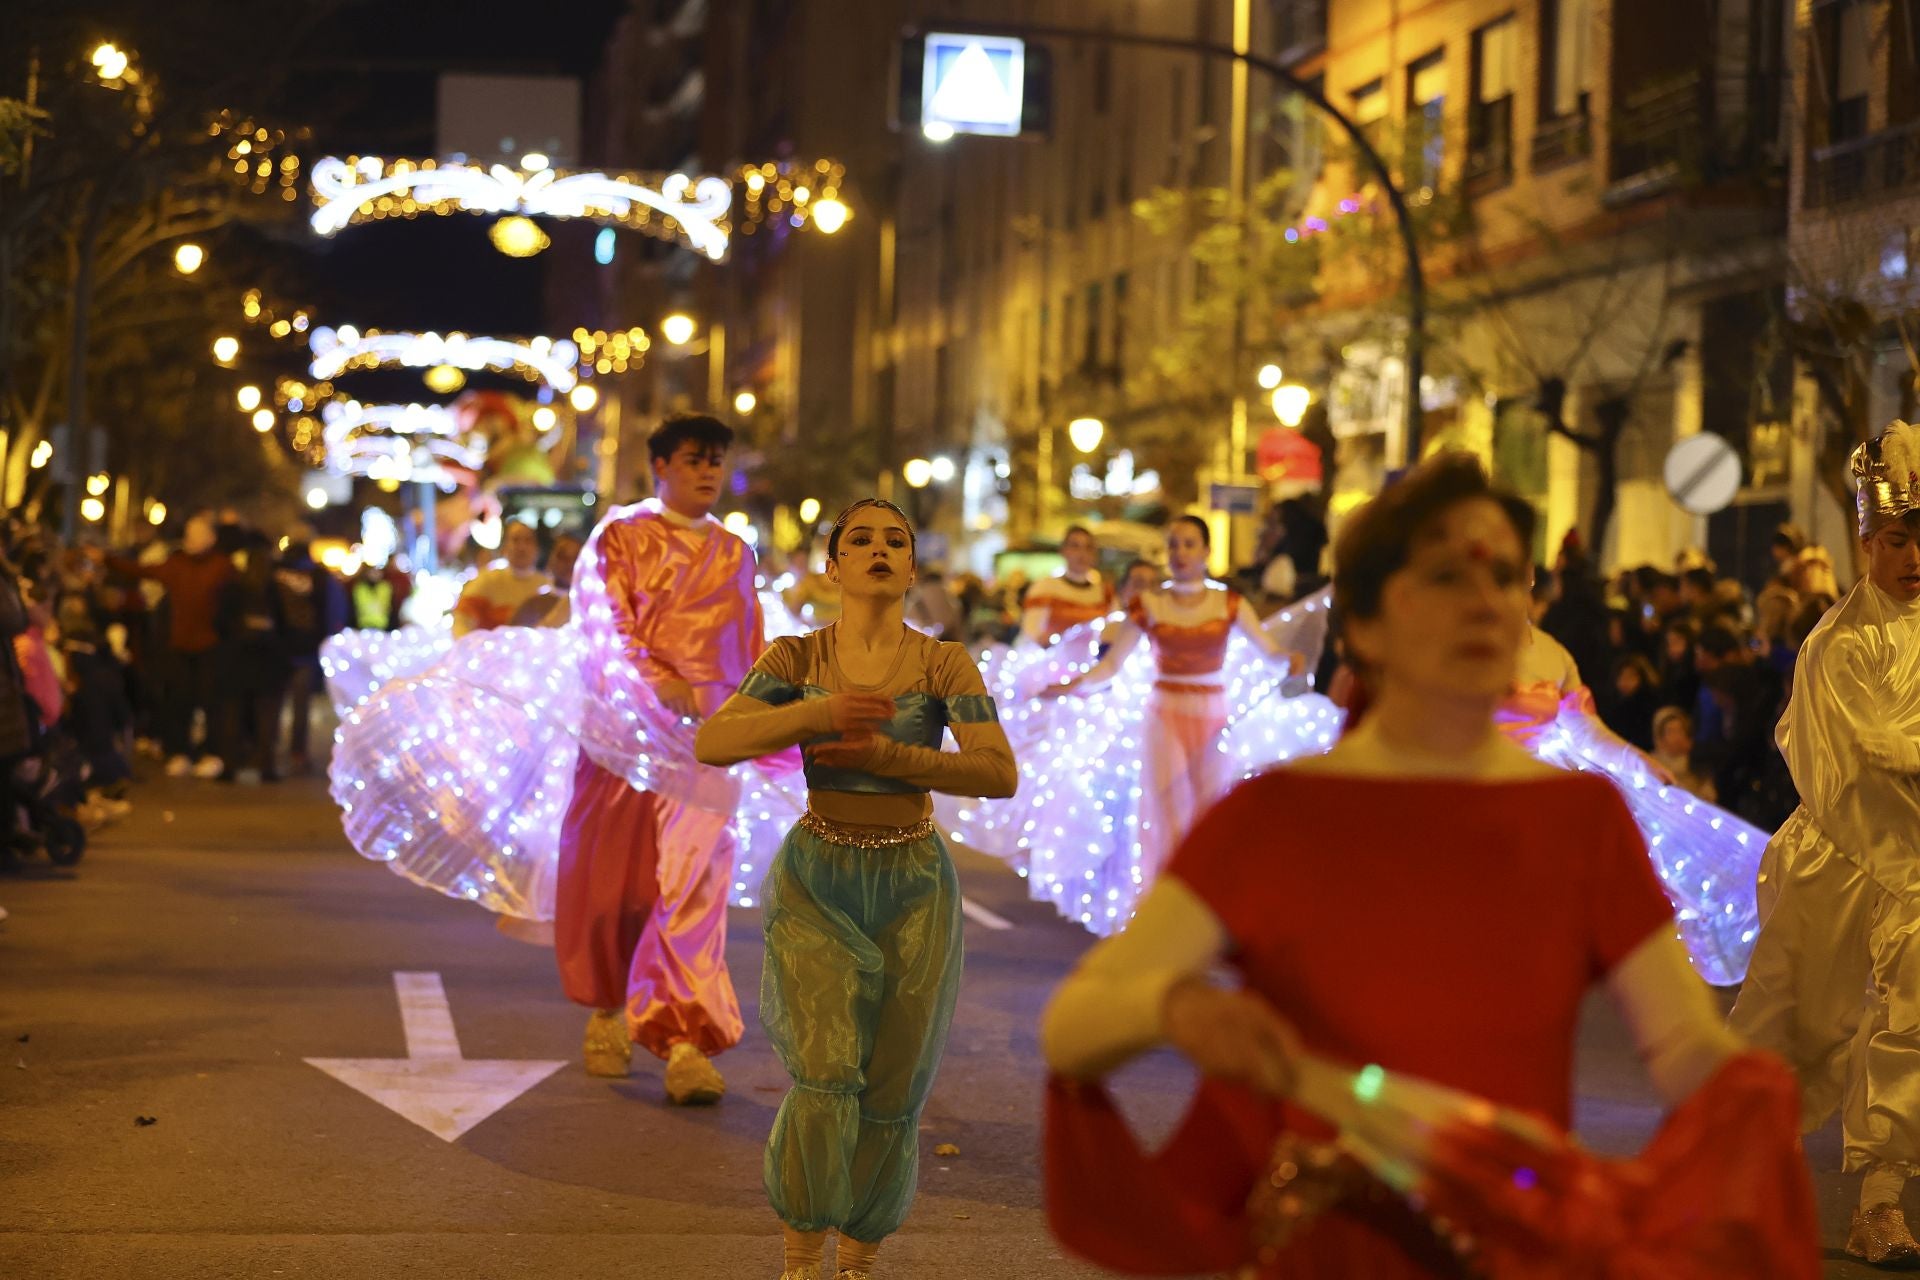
[692,1079]
[1880,1236]
[608,1052]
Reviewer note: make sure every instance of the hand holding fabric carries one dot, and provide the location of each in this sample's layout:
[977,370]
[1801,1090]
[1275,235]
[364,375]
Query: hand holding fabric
[1890,751]
[1232,1035]
[855,751]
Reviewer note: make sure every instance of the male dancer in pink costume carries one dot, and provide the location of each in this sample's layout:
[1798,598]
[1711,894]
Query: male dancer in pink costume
[641,909]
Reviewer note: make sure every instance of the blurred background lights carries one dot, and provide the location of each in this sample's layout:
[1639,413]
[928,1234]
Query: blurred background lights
[518,237]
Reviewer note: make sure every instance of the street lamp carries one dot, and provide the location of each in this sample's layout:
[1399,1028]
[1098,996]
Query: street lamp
[918,472]
[110,62]
[1290,403]
[830,215]
[248,398]
[583,397]
[188,257]
[1086,433]
[678,328]
[745,403]
[225,349]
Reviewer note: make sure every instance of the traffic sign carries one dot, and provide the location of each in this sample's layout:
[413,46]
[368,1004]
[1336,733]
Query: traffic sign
[953,83]
[973,83]
[1703,473]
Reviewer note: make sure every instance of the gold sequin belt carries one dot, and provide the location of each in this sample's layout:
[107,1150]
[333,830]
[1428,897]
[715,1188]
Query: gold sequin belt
[864,837]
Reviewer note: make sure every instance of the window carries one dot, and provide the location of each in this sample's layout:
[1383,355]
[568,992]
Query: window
[1566,69]
[1370,109]
[1851,71]
[1090,352]
[1426,110]
[1490,113]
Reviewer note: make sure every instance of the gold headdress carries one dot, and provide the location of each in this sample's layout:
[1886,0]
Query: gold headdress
[1888,473]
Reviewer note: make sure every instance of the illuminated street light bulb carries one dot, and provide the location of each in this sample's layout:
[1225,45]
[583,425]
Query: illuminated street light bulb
[942,469]
[445,379]
[544,418]
[937,131]
[188,257]
[1290,403]
[830,216]
[99,484]
[518,237]
[745,402]
[263,420]
[678,328]
[534,161]
[583,398]
[225,349]
[1270,376]
[248,398]
[93,509]
[809,510]
[157,514]
[317,498]
[42,455]
[918,472]
[110,62]
[1086,433]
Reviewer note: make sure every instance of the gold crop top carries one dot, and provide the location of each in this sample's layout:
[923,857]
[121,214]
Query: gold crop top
[934,686]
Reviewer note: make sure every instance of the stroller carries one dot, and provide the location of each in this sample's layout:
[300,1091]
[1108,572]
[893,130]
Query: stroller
[42,789]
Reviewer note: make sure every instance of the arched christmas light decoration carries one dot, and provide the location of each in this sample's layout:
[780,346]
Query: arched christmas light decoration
[335,351]
[367,188]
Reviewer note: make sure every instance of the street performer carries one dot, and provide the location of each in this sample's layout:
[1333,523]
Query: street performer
[1076,597]
[1834,985]
[666,598]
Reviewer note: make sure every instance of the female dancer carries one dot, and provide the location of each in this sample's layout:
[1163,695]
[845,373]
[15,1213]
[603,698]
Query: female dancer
[1481,937]
[1188,623]
[862,905]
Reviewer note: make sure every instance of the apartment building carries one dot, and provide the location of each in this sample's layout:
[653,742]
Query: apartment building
[1853,257]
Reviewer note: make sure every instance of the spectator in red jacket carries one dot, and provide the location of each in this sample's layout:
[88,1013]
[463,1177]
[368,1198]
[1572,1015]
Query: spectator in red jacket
[189,671]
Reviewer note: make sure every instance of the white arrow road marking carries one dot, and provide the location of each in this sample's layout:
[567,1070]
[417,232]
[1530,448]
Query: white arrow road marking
[434,1086]
[980,915]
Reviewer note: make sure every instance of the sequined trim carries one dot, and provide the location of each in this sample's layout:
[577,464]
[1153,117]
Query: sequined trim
[768,689]
[864,837]
[972,708]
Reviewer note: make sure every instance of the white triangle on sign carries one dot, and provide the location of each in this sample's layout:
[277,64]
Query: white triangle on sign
[444,1097]
[433,1086]
[972,91]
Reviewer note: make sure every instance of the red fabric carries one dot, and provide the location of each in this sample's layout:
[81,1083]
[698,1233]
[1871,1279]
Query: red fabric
[1722,1190]
[193,586]
[1442,930]
[608,882]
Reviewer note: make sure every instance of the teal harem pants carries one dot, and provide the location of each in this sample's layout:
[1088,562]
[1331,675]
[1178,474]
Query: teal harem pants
[862,968]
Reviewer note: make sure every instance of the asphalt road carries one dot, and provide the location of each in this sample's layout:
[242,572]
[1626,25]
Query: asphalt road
[186,970]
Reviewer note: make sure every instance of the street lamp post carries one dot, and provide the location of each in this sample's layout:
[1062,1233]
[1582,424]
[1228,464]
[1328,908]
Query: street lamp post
[1241,55]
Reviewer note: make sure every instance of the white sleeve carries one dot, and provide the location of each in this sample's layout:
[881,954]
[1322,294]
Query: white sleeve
[1108,1010]
[1679,1032]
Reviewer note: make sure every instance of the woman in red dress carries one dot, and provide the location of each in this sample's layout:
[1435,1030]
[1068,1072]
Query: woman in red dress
[1427,898]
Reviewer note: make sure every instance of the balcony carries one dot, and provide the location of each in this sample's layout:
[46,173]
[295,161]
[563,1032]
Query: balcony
[1561,141]
[1881,164]
[1657,135]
